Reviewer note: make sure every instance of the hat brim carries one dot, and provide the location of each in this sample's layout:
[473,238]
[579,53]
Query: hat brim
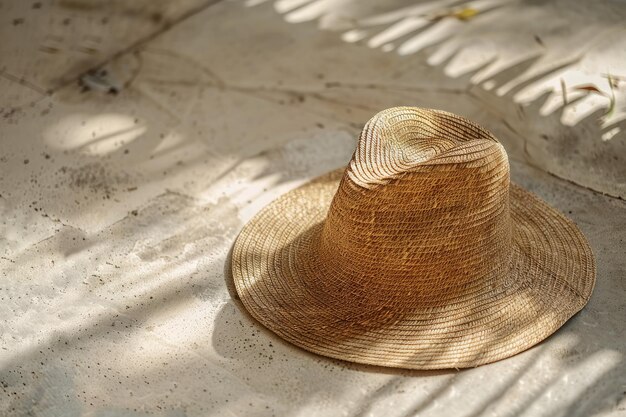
[552,274]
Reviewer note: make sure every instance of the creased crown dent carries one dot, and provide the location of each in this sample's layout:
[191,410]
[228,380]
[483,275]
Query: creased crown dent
[400,138]
[422,209]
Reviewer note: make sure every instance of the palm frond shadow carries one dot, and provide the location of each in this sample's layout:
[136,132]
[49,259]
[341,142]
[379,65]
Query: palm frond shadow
[521,75]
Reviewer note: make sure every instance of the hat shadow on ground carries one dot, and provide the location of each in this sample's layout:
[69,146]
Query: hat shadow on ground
[225,350]
[426,276]
[225,345]
[365,314]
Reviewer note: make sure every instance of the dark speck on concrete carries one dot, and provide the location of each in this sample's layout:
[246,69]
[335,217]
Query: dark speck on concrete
[18,21]
[26,161]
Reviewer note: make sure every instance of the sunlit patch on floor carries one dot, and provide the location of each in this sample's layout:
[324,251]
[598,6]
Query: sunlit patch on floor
[96,135]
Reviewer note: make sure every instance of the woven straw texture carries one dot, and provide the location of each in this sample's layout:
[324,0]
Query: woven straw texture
[420,254]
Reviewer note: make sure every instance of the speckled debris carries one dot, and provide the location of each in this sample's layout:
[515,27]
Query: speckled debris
[119,208]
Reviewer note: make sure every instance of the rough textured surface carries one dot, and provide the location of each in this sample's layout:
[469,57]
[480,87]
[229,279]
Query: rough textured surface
[47,44]
[119,210]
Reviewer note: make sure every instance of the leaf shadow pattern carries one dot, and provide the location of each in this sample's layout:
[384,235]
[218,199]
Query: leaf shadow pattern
[518,53]
[176,275]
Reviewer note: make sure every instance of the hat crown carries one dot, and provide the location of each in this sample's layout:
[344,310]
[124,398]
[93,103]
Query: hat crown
[422,210]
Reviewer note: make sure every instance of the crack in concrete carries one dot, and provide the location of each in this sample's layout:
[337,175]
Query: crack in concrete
[24,83]
[297,94]
[221,84]
[257,91]
[617,197]
[558,177]
[527,158]
[523,138]
[418,89]
[142,41]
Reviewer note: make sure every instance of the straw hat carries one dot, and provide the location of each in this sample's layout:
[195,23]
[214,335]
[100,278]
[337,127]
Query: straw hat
[420,254]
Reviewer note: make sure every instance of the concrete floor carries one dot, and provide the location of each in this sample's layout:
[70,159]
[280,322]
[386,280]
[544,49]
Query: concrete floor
[136,139]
